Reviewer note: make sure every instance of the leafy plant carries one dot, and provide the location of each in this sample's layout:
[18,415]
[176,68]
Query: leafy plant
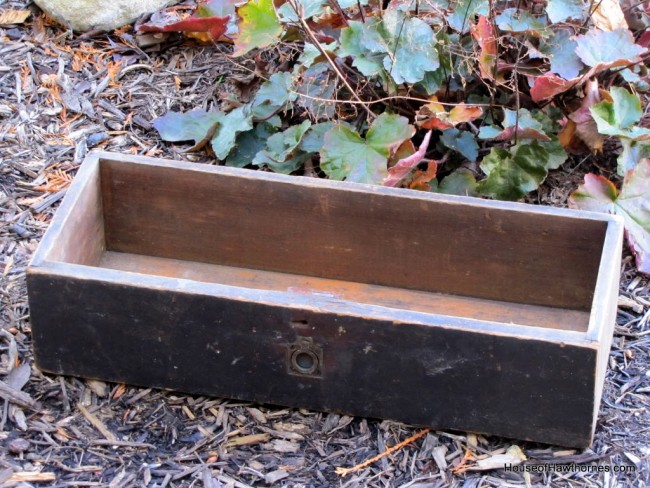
[471,97]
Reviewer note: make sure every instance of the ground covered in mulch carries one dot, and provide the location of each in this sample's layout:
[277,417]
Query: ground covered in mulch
[62,95]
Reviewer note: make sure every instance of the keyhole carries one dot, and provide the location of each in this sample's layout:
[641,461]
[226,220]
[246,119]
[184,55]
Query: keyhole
[305,362]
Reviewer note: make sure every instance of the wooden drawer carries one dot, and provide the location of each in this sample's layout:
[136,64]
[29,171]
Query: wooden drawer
[435,310]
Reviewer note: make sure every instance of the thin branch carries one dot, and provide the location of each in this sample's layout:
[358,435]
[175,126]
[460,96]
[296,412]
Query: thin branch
[300,13]
[387,452]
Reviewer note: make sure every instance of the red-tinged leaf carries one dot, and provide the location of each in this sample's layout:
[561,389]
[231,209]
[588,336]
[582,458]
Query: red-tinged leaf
[405,165]
[405,149]
[421,179]
[586,128]
[484,34]
[434,116]
[464,113]
[598,194]
[644,39]
[550,85]
[215,26]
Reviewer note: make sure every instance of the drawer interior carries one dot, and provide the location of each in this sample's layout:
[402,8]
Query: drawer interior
[359,244]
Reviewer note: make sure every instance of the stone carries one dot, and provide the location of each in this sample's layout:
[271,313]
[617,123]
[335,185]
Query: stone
[86,15]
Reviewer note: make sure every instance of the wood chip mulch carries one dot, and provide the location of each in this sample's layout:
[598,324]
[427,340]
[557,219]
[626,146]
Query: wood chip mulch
[62,95]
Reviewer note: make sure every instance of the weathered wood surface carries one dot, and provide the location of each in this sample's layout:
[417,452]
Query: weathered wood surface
[376,236]
[415,373]
[440,311]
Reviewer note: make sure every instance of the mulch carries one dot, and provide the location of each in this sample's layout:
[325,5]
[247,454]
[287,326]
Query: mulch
[63,94]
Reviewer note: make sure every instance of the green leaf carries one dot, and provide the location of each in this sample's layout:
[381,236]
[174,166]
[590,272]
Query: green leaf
[368,63]
[310,8]
[561,49]
[259,26]
[248,144]
[561,10]
[633,152]
[460,182]
[462,142]
[510,175]
[281,153]
[489,132]
[597,194]
[463,13]
[347,155]
[189,126]
[313,140]
[316,91]
[402,46]
[518,20]
[411,47]
[273,95]
[615,117]
[351,3]
[608,48]
[231,124]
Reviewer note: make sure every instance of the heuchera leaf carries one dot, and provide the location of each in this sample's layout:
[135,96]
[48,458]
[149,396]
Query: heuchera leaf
[521,126]
[422,179]
[281,153]
[484,34]
[368,62]
[460,182]
[259,26]
[398,46]
[434,116]
[561,10]
[315,90]
[249,143]
[605,49]
[585,126]
[550,85]
[411,47]
[310,8]
[230,124]
[598,194]
[273,95]
[518,20]
[617,118]
[215,26]
[462,142]
[405,165]
[463,13]
[220,8]
[512,174]
[189,126]
[561,51]
[346,155]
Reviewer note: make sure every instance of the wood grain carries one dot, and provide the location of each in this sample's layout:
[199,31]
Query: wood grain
[373,237]
[514,314]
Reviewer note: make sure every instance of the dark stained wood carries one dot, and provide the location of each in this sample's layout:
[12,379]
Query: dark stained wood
[443,311]
[399,298]
[522,388]
[372,236]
